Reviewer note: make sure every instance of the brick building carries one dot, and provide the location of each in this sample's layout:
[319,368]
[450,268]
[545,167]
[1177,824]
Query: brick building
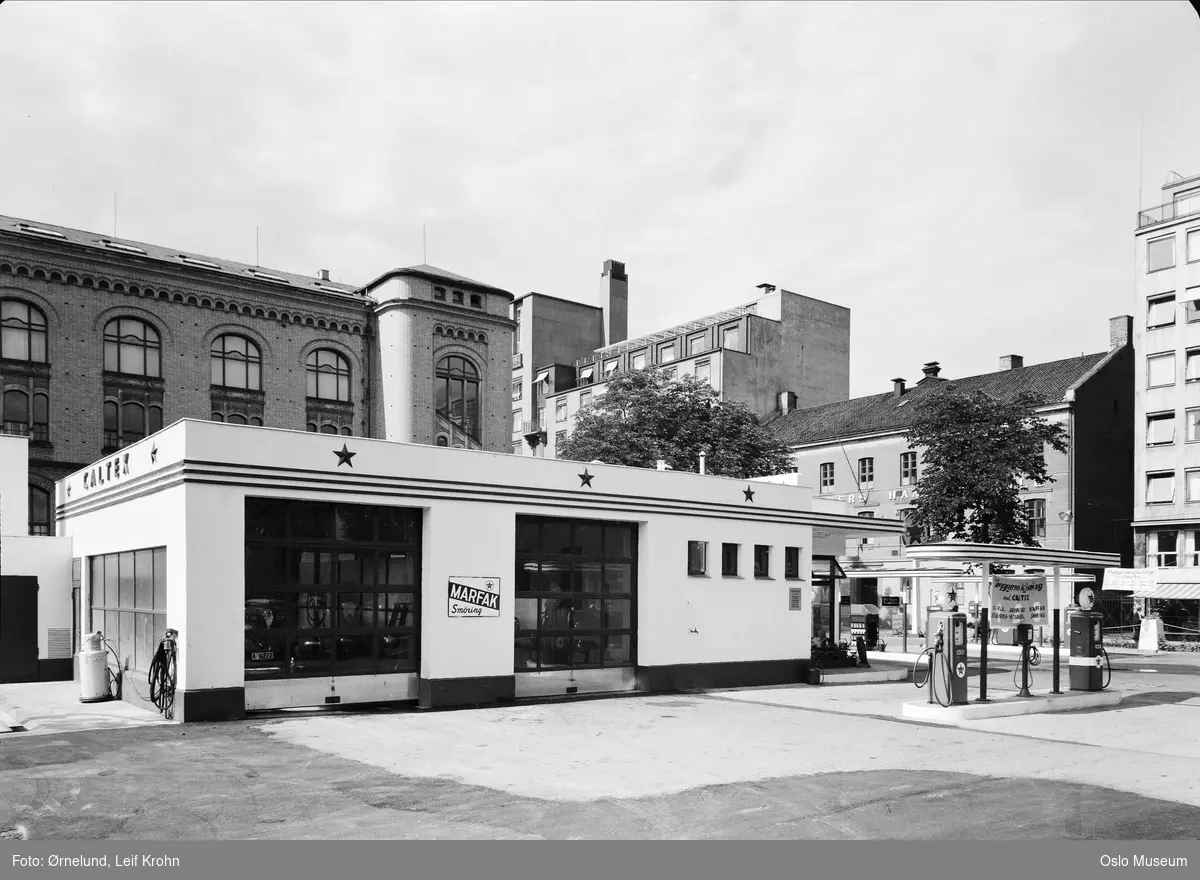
[105,340]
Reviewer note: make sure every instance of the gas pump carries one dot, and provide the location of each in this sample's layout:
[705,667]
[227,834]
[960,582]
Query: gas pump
[1088,659]
[952,627]
[1025,640]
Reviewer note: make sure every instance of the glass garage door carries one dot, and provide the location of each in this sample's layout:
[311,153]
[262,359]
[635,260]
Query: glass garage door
[331,589]
[575,594]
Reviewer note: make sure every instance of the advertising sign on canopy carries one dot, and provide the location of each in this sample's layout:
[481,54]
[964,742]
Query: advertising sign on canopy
[1019,601]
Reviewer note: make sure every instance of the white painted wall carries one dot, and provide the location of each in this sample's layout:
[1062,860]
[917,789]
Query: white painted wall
[49,560]
[14,488]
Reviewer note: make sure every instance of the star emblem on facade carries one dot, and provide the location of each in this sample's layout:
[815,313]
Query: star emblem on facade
[344,455]
[749,493]
[153,455]
[585,479]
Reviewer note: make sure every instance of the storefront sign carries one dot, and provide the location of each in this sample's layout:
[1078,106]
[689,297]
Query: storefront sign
[1022,601]
[1139,580]
[889,601]
[473,597]
[106,472]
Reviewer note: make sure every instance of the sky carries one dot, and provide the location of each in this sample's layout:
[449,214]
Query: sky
[965,177]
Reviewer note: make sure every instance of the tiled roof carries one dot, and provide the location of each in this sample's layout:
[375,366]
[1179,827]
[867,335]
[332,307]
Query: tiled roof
[883,412]
[434,272]
[156,253]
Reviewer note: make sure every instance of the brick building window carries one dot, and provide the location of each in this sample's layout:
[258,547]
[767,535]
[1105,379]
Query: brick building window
[22,332]
[328,376]
[132,347]
[40,520]
[331,428]
[22,418]
[456,393]
[237,363]
[129,419]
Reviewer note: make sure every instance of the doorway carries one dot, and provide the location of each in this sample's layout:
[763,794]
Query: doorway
[18,629]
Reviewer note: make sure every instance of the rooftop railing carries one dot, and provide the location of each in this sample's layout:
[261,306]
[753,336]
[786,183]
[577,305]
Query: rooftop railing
[1175,210]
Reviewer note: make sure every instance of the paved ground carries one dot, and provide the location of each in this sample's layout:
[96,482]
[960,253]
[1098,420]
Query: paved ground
[793,762]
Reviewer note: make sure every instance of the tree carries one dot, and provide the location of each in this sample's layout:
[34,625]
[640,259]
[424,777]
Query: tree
[976,449]
[643,416]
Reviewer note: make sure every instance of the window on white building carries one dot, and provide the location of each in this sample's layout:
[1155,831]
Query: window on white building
[1160,253]
[908,468]
[1191,303]
[585,397]
[1035,516]
[518,389]
[1192,485]
[731,338]
[1192,417]
[827,477]
[1160,429]
[666,353]
[697,344]
[639,361]
[1161,312]
[1162,549]
[516,421]
[1193,245]
[703,372]
[866,473]
[1192,366]
[560,410]
[1160,487]
[1160,370]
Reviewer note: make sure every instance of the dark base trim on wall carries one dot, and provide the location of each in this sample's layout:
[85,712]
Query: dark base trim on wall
[212,704]
[56,670]
[452,693]
[695,676]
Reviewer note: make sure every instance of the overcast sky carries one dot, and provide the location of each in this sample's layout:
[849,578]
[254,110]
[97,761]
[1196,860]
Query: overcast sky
[964,177]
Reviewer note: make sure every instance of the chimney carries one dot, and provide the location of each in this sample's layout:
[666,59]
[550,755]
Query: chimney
[1120,331]
[931,370]
[1011,362]
[323,274]
[897,388]
[766,287]
[787,401]
[614,300]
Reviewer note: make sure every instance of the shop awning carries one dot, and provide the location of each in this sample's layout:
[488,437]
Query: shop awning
[1169,591]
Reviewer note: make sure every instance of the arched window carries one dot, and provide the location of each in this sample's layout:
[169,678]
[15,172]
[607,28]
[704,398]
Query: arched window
[456,393]
[329,429]
[217,417]
[39,511]
[16,413]
[441,440]
[22,332]
[132,346]
[236,363]
[129,422]
[236,419]
[328,375]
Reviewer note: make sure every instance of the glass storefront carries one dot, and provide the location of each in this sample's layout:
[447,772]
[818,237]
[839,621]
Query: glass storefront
[129,603]
[331,589]
[576,585]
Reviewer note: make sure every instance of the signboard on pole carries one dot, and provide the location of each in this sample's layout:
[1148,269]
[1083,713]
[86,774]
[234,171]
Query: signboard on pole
[1018,601]
[473,597]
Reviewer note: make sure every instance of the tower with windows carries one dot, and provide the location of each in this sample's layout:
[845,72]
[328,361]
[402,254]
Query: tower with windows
[444,371]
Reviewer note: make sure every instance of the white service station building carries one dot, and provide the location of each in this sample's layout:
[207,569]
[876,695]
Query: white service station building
[306,569]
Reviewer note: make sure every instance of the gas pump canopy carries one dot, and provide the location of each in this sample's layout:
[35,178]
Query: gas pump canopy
[1046,557]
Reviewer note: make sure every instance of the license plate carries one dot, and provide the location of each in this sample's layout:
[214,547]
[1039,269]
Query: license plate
[263,655]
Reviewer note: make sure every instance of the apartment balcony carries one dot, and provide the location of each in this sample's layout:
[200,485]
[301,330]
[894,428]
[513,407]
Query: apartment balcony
[534,430]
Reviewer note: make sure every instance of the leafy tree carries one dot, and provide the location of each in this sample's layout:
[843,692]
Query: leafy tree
[975,450]
[643,416]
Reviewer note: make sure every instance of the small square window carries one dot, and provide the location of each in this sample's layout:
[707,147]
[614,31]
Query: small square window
[729,560]
[439,293]
[458,297]
[666,353]
[697,344]
[1160,370]
[1160,429]
[1160,488]
[476,301]
[791,562]
[697,558]
[762,561]
[1161,312]
[1160,253]
[731,339]
[639,361]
